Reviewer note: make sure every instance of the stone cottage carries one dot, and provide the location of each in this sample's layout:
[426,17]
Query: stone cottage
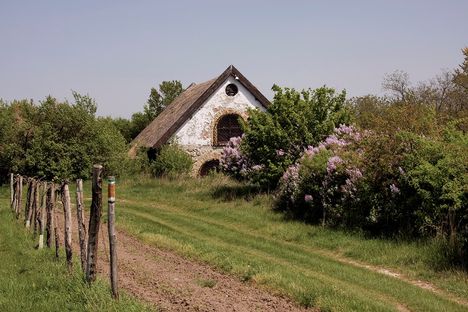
[203,118]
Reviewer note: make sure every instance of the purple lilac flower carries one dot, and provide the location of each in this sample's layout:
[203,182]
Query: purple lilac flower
[333,162]
[280,152]
[233,160]
[311,151]
[354,174]
[257,167]
[349,131]
[308,198]
[394,189]
[402,172]
[334,140]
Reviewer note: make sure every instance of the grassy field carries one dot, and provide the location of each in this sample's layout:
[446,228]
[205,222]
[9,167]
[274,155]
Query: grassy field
[34,280]
[211,221]
[219,222]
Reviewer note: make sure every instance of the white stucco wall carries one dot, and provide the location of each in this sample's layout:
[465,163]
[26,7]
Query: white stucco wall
[197,131]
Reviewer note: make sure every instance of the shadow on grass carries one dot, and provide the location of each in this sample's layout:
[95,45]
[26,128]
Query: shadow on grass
[233,192]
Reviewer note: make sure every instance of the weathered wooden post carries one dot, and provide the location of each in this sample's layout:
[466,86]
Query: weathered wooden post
[67,214]
[20,196]
[12,190]
[31,191]
[81,224]
[112,237]
[26,205]
[94,224]
[16,193]
[36,207]
[56,235]
[14,202]
[50,207]
[42,214]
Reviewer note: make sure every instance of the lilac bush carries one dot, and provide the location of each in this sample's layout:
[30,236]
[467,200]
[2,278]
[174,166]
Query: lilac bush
[324,179]
[234,162]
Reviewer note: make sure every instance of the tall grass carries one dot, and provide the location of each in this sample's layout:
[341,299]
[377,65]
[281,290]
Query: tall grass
[34,280]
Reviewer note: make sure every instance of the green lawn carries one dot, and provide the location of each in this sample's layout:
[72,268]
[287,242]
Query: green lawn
[210,220]
[34,280]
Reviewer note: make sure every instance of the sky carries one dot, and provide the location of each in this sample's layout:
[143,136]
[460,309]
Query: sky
[116,51]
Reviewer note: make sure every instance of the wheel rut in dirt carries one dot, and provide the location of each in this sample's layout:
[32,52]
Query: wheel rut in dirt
[173,283]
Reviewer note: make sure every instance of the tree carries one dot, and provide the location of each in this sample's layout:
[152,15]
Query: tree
[398,84]
[58,139]
[461,73]
[276,138]
[158,100]
[85,102]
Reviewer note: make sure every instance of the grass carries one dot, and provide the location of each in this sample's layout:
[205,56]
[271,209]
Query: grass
[226,225]
[211,221]
[34,280]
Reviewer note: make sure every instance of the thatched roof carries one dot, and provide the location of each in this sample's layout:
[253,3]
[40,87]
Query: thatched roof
[160,130]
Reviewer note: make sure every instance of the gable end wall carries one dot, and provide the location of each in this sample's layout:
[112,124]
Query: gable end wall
[196,134]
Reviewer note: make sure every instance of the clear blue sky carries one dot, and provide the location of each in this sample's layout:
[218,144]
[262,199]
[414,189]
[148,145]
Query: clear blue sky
[117,50]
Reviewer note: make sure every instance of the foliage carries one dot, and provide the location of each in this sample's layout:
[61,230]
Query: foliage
[158,100]
[461,73]
[399,183]
[446,94]
[156,103]
[274,139]
[172,161]
[58,140]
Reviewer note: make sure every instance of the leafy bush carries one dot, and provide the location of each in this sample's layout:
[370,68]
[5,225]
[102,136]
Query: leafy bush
[55,139]
[171,161]
[320,186]
[275,139]
[401,184]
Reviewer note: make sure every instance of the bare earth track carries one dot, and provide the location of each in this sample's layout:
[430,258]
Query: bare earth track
[172,283]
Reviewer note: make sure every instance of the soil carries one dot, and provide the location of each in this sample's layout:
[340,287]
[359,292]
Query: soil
[172,283]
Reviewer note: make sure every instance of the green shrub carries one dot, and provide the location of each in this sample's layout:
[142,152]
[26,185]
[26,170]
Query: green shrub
[171,161]
[58,139]
[401,184]
[275,139]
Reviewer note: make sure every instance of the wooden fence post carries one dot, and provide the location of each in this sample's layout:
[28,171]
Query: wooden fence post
[36,204]
[67,214]
[94,224]
[81,224]
[20,196]
[12,190]
[16,195]
[56,236]
[42,214]
[26,205]
[112,236]
[30,206]
[50,206]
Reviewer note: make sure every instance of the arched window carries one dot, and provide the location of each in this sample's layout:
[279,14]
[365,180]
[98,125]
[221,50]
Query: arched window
[228,127]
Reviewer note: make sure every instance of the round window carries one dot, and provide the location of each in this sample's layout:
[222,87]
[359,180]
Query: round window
[231,89]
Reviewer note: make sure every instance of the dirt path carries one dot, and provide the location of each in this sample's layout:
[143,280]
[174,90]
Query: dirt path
[173,283]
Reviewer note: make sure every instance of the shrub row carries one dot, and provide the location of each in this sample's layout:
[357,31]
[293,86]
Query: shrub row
[398,184]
